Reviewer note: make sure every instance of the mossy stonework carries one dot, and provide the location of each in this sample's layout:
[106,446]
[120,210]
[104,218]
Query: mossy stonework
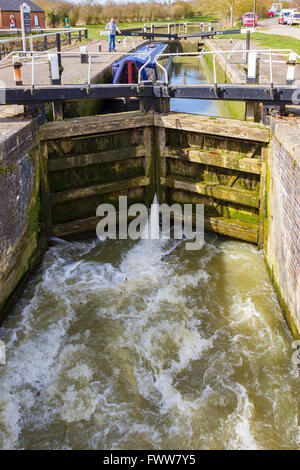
[21,231]
[53,180]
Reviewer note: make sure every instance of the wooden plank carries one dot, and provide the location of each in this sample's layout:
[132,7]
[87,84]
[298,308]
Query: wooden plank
[221,160]
[88,191]
[75,226]
[232,228]
[95,125]
[76,161]
[229,128]
[238,196]
[79,226]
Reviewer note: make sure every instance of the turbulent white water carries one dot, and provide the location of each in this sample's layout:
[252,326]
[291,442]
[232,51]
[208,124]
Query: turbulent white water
[119,345]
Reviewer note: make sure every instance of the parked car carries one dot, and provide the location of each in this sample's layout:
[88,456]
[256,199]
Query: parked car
[272,13]
[294,18]
[283,16]
[248,19]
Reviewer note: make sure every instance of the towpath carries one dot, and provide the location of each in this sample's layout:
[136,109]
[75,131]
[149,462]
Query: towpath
[271,26]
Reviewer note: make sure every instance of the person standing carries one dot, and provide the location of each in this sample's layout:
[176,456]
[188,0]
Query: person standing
[113,29]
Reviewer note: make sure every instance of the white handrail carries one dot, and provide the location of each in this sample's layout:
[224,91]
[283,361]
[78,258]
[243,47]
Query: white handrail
[34,56]
[276,52]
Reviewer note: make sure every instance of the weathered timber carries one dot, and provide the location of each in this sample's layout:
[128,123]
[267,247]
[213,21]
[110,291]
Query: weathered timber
[238,196]
[215,158]
[46,187]
[262,197]
[76,161]
[232,228]
[280,94]
[148,136]
[95,124]
[218,126]
[79,226]
[160,162]
[63,196]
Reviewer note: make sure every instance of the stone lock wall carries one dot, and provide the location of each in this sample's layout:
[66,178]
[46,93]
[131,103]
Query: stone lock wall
[21,224]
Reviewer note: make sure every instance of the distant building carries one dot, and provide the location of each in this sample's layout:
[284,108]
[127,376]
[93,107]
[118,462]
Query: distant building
[10,14]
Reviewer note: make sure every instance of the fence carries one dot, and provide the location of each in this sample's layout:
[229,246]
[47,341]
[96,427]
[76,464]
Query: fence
[44,41]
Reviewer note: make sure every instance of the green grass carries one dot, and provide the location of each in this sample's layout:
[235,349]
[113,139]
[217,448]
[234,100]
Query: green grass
[270,41]
[94,29]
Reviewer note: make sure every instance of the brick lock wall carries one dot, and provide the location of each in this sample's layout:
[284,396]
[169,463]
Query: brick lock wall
[283,243]
[4,24]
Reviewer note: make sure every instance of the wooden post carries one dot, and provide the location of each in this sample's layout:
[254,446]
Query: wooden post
[55,75]
[262,196]
[46,196]
[160,163]
[58,47]
[69,38]
[79,36]
[45,42]
[248,37]
[149,163]
[86,34]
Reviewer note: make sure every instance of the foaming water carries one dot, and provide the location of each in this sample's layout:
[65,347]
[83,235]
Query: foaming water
[143,345]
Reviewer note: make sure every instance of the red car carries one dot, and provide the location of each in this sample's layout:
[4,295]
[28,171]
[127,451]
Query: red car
[248,19]
[271,13]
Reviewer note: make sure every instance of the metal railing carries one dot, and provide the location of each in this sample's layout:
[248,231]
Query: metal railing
[255,54]
[77,34]
[35,58]
[271,57]
[239,47]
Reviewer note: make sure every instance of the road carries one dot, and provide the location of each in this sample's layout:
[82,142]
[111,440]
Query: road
[271,26]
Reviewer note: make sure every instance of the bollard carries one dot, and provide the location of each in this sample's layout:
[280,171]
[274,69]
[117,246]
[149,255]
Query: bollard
[202,27]
[17,70]
[54,69]
[99,48]
[185,28]
[252,108]
[253,67]
[290,77]
[84,58]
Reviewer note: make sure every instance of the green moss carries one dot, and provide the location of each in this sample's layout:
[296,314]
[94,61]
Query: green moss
[230,109]
[285,309]
[9,169]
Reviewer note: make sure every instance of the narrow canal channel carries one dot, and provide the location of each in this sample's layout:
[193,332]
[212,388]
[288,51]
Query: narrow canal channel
[144,345]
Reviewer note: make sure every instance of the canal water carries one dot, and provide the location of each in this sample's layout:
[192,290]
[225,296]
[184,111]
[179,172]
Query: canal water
[193,70]
[144,345]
